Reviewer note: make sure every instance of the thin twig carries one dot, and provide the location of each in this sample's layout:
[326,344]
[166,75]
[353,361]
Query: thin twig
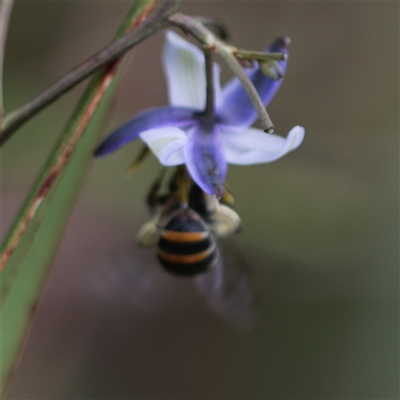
[234,65]
[207,38]
[155,22]
[259,55]
[195,28]
[219,27]
[71,137]
[5,13]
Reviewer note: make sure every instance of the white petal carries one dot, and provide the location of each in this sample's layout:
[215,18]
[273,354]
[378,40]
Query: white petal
[166,144]
[185,72]
[253,146]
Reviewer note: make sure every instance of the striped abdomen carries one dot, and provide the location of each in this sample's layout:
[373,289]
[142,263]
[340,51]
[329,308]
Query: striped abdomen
[186,246]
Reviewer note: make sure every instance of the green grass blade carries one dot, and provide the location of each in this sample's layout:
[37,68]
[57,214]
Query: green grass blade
[23,279]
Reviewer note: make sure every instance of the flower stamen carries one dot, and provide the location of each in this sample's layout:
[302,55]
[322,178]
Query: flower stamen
[137,162]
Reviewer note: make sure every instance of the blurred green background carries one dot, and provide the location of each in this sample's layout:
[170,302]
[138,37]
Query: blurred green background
[320,226]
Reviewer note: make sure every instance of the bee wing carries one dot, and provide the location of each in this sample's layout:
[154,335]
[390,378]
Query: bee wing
[131,279]
[229,290]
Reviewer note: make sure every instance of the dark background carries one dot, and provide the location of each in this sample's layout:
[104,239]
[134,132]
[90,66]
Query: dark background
[320,226]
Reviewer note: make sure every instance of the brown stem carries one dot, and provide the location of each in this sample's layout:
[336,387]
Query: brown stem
[64,150]
[112,52]
[5,14]
[209,110]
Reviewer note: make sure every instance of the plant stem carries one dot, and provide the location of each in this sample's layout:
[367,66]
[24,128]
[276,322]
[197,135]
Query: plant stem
[234,65]
[209,110]
[5,13]
[208,39]
[219,26]
[260,56]
[73,133]
[153,24]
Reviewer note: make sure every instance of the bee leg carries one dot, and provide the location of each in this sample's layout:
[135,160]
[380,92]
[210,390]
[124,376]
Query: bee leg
[153,198]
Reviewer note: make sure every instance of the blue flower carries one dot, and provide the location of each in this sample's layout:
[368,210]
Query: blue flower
[182,134]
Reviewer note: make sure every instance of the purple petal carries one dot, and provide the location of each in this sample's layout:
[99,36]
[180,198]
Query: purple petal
[235,107]
[205,158]
[155,118]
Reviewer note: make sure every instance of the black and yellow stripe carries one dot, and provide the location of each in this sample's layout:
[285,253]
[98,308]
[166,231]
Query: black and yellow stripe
[186,247]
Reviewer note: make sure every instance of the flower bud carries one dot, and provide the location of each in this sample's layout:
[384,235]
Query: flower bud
[271,69]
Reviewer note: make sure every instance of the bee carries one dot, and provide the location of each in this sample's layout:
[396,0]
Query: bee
[185,225]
